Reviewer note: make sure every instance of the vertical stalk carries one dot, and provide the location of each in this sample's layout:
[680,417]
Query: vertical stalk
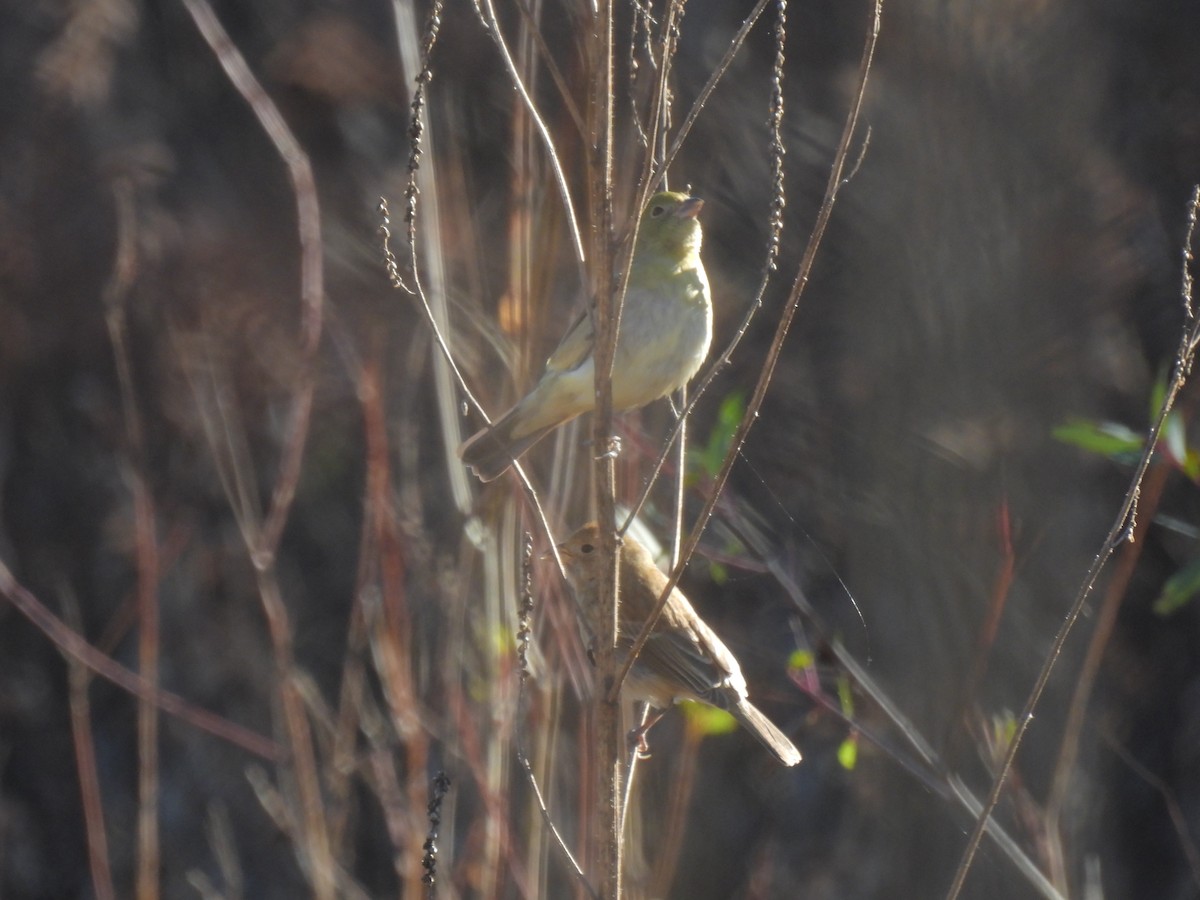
[115,294]
[606,712]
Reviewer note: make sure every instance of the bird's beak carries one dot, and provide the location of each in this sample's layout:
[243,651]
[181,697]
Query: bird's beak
[689,208]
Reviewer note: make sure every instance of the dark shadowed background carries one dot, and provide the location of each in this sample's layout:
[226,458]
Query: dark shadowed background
[1005,259]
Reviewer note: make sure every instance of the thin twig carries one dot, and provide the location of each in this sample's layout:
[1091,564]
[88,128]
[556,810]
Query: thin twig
[313,828]
[1105,618]
[417,290]
[146,538]
[768,369]
[389,621]
[775,119]
[312,283]
[390,261]
[929,768]
[713,79]
[441,785]
[561,843]
[488,13]
[606,775]
[564,92]
[1123,527]
[675,824]
[72,644]
[83,740]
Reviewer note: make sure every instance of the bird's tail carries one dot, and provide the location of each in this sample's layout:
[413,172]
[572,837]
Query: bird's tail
[490,452]
[768,735]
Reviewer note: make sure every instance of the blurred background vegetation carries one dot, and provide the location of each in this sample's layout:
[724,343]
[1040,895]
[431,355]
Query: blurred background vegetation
[946,441]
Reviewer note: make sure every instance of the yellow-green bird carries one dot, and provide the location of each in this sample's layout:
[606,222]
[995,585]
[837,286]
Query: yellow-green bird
[666,327]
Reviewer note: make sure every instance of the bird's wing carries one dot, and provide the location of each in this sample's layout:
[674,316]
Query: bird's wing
[575,347]
[674,657]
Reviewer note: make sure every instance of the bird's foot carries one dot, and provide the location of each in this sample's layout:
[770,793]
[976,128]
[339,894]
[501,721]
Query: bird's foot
[637,742]
[612,448]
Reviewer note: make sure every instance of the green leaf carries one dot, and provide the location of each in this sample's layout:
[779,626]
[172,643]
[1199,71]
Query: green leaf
[802,659]
[1109,439]
[845,696]
[1158,393]
[733,407]
[708,720]
[847,753]
[717,572]
[1179,590]
[1174,437]
[1004,729]
[709,457]
[1191,465]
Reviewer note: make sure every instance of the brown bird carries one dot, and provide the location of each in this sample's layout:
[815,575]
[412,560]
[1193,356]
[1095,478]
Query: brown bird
[683,659]
[666,327]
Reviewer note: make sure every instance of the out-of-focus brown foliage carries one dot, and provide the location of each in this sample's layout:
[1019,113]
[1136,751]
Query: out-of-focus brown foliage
[1004,258]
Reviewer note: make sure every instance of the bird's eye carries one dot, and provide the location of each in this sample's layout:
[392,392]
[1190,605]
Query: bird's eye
[587,548]
[657,211]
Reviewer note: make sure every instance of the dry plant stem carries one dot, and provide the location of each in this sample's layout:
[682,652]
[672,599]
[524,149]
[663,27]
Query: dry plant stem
[776,230]
[145,540]
[658,119]
[393,270]
[312,827]
[377,768]
[393,664]
[423,78]
[394,806]
[439,337]
[547,58]
[438,790]
[312,285]
[561,843]
[631,767]
[951,784]
[683,782]
[274,805]
[350,705]
[1124,526]
[933,774]
[346,725]
[383,558]
[89,778]
[524,635]
[415,62]
[219,831]
[607,758]
[768,369]
[707,90]
[986,638]
[148,649]
[74,646]
[396,624]
[560,178]
[680,486]
[416,130]
[1106,620]
[473,756]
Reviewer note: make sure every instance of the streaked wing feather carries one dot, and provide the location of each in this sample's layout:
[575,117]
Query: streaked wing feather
[683,660]
[574,348]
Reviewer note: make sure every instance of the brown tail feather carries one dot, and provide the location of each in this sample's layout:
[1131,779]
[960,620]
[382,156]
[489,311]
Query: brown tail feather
[768,735]
[489,453]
